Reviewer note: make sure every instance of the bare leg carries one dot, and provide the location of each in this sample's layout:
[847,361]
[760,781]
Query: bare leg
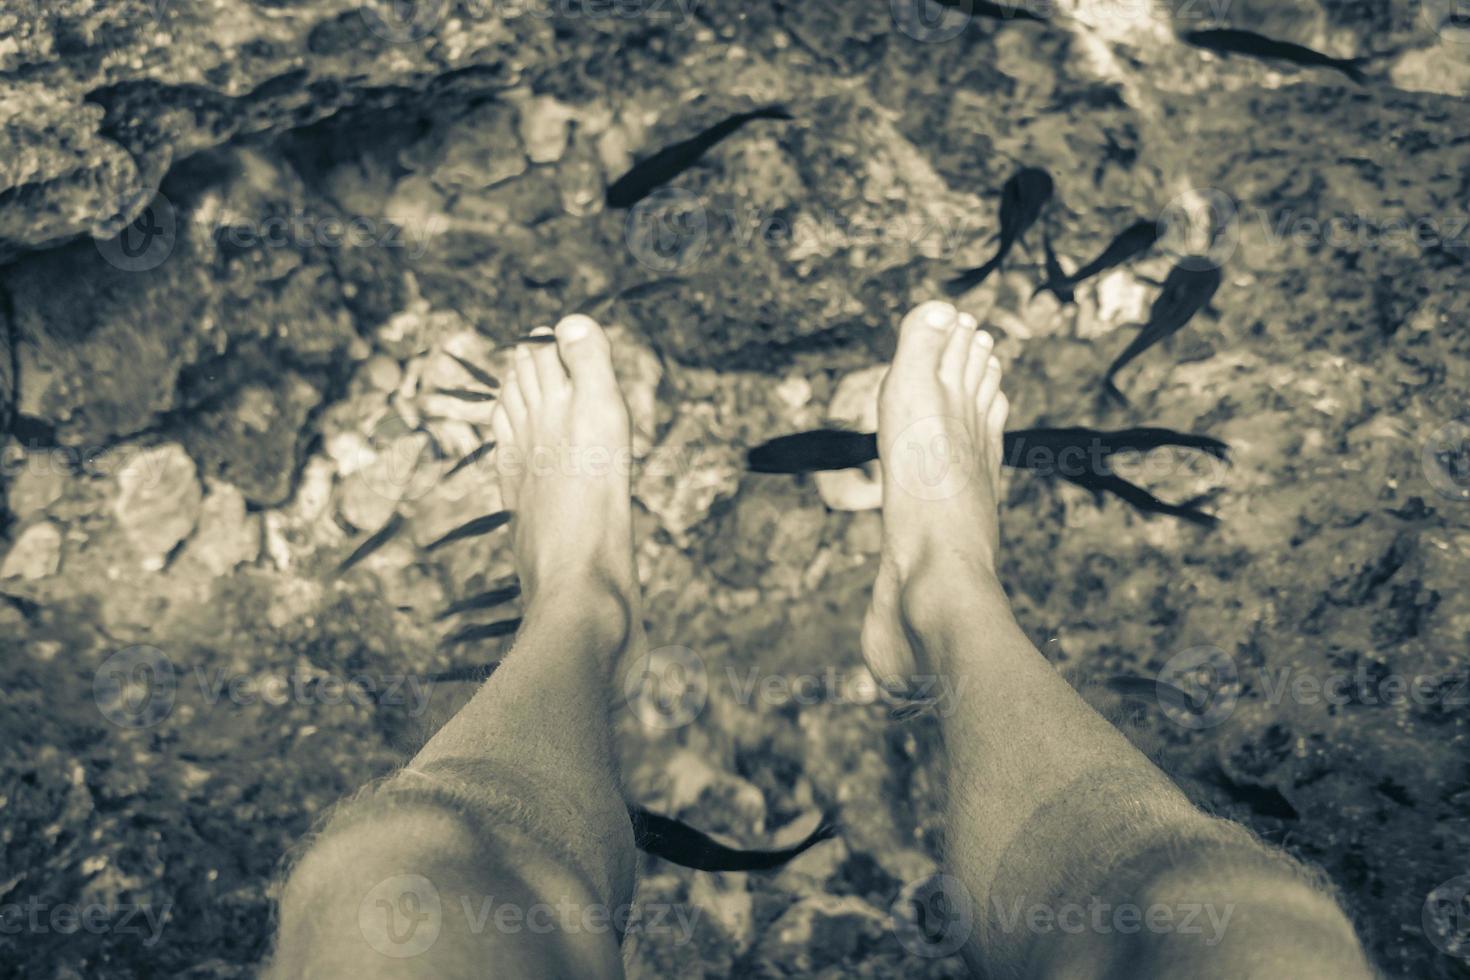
[512,811]
[1049,807]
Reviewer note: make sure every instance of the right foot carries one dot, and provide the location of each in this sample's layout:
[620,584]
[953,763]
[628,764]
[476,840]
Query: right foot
[941,424]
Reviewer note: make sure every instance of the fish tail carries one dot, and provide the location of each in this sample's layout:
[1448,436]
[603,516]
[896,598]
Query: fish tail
[1113,393]
[1353,68]
[773,111]
[970,278]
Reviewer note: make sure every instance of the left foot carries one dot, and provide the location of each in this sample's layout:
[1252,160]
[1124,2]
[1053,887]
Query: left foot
[563,454]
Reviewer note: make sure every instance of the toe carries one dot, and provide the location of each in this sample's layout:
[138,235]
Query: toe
[513,400]
[585,351]
[980,347]
[923,335]
[956,351]
[500,425]
[989,385]
[526,376]
[551,377]
[995,427]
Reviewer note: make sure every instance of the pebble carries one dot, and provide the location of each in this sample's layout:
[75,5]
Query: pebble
[226,535]
[544,125]
[36,553]
[159,502]
[38,484]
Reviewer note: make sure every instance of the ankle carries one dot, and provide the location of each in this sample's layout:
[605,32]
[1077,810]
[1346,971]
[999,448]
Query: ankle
[596,601]
[945,590]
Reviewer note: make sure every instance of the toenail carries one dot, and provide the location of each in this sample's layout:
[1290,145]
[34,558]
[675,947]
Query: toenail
[984,339]
[939,315]
[540,331]
[968,322]
[574,327]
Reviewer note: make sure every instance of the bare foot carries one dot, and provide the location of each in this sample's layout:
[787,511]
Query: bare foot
[563,455]
[941,422]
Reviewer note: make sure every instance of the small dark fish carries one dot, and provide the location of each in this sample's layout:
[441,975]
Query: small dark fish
[471,529]
[1062,452]
[840,449]
[1231,41]
[537,338]
[470,458]
[677,842]
[673,160]
[475,371]
[1188,288]
[1130,243]
[1163,693]
[466,394]
[477,672]
[996,11]
[372,544]
[808,452]
[482,631]
[482,600]
[1021,201]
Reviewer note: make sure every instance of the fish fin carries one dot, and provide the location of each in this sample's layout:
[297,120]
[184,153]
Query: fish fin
[1140,499]
[475,371]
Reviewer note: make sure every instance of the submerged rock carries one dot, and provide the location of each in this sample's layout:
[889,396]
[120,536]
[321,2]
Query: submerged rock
[35,554]
[158,502]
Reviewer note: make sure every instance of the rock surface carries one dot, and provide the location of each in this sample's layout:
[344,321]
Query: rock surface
[352,199]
